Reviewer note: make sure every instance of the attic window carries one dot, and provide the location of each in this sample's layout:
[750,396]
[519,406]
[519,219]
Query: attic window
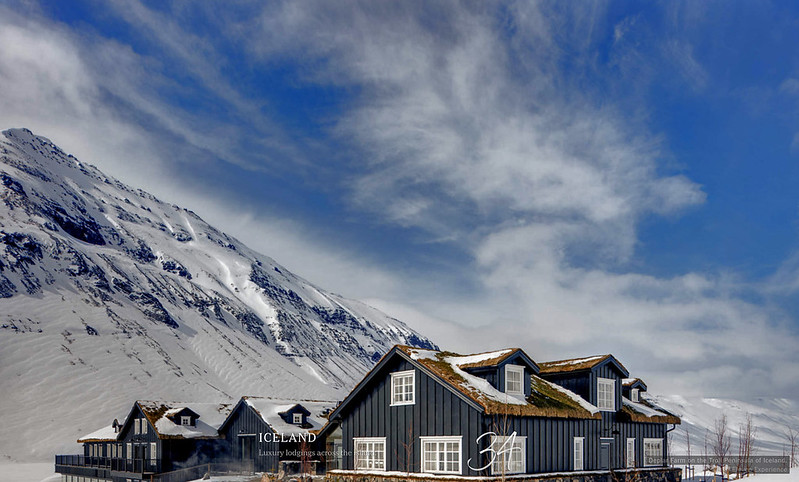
[402,388]
[514,375]
[297,417]
[606,394]
[185,420]
[634,395]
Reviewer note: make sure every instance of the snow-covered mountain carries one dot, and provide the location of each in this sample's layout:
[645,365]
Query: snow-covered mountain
[108,295]
[771,417]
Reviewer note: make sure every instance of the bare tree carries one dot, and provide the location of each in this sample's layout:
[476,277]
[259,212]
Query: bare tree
[689,469]
[720,442]
[407,446]
[791,434]
[746,440]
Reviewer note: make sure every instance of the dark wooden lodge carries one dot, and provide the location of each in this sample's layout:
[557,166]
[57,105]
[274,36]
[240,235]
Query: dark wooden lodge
[494,414]
[269,435]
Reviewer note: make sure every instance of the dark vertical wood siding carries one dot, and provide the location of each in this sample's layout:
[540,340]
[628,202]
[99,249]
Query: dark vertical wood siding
[438,411]
[244,420]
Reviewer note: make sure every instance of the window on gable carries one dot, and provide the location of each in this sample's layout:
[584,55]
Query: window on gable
[185,420]
[634,395]
[402,388]
[579,443]
[510,455]
[441,455]
[136,429]
[297,418]
[514,380]
[143,427]
[606,394]
[370,453]
[653,452]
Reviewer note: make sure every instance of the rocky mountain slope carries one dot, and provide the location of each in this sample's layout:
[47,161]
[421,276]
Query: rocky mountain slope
[108,295]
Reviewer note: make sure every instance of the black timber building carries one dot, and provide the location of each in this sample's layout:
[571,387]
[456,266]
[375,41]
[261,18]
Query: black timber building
[494,414]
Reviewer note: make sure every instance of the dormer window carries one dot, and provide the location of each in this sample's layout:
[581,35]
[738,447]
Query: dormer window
[606,394]
[514,380]
[185,420]
[634,395]
[297,417]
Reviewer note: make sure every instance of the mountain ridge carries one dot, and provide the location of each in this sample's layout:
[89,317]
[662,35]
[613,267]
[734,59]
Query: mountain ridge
[111,294]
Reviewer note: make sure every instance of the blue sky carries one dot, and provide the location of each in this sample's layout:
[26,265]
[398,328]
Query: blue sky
[571,177]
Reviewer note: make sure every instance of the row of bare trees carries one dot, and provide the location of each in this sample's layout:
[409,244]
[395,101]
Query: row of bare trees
[718,443]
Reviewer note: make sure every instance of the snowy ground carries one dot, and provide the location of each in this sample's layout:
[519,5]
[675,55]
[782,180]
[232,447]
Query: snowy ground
[792,477]
[35,472]
[43,472]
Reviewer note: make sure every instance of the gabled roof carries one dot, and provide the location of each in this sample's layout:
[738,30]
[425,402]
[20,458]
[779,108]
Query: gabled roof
[210,417]
[578,364]
[634,383]
[105,434]
[271,411]
[547,399]
[496,358]
[646,411]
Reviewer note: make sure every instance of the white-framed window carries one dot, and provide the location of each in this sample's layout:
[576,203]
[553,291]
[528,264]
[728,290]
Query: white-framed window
[606,394]
[634,395]
[370,453]
[297,417]
[185,420]
[402,388]
[514,380]
[579,453]
[129,448]
[511,455]
[441,455]
[143,423]
[136,429]
[153,452]
[653,452]
[630,452]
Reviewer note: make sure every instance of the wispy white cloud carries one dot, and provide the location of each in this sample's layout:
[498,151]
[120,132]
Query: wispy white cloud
[544,186]
[474,125]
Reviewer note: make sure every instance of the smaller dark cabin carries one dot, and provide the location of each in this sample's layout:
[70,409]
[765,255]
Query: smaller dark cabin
[266,434]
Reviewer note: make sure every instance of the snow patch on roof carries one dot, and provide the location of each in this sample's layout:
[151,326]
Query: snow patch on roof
[270,409]
[481,357]
[580,400]
[211,417]
[105,433]
[575,361]
[480,384]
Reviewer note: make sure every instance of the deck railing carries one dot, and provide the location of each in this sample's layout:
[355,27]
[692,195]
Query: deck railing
[138,466]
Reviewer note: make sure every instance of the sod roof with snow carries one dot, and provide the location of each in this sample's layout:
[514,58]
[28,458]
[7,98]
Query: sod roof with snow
[211,417]
[546,399]
[576,364]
